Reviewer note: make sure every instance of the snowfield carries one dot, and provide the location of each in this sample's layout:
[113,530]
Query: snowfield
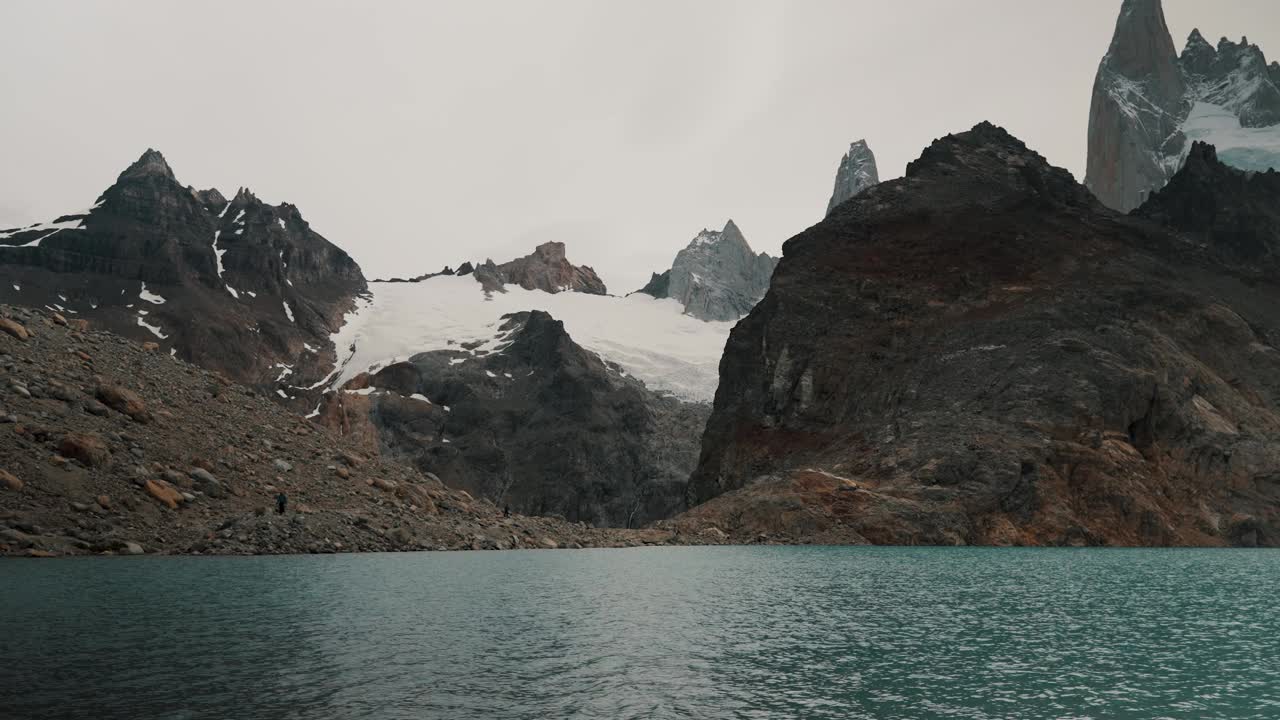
[1256,149]
[649,338]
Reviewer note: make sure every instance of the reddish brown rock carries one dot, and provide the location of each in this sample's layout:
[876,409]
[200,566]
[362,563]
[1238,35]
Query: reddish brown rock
[85,447]
[125,401]
[164,493]
[8,480]
[14,328]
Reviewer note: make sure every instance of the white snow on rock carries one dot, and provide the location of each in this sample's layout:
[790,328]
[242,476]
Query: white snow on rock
[288,311]
[420,397]
[1256,149]
[149,296]
[216,252]
[233,292]
[238,216]
[18,288]
[282,225]
[650,338]
[155,329]
[74,222]
[225,208]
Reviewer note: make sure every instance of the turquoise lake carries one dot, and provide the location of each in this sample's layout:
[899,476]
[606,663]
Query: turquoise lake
[734,632]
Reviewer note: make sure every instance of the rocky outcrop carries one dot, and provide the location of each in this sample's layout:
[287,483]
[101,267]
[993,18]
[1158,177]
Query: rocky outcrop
[980,353]
[549,270]
[240,286]
[537,424]
[856,173]
[1232,213]
[78,477]
[716,277]
[1149,104]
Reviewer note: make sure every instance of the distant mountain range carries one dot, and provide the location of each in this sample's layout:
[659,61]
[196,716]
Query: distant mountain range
[1150,104]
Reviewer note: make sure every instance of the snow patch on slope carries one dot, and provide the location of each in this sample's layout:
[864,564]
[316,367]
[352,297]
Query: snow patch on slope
[650,338]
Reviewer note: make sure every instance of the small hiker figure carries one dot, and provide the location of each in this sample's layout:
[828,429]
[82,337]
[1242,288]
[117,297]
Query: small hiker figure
[281,500]
[506,511]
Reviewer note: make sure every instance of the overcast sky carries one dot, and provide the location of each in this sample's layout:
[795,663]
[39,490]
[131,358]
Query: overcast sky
[415,134]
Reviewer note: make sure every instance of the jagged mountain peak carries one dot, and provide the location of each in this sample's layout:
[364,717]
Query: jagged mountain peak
[716,277]
[990,155]
[209,198]
[856,173]
[150,164]
[244,196]
[1234,214]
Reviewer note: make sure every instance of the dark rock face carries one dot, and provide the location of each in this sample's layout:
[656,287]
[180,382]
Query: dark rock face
[981,353]
[539,425]
[856,173]
[236,286]
[716,277]
[549,270]
[1144,95]
[1234,214]
[1138,105]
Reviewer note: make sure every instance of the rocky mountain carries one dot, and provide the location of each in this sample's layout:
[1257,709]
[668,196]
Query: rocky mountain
[1232,213]
[548,269]
[110,447]
[532,421]
[716,277]
[856,173]
[237,286]
[1149,104]
[981,353]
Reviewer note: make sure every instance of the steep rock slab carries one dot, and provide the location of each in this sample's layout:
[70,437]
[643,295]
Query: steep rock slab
[981,353]
[241,287]
[856,173]
[716,277]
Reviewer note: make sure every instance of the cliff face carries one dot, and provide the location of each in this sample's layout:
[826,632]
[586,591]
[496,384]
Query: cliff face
[716,277]
[239,286]
[1137,107]
[538,424]
[981,353]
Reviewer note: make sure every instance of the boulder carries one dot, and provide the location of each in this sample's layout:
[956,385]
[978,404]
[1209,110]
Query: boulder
[85,447]
[14,328]
[9,481]
[164,493]
[125,401]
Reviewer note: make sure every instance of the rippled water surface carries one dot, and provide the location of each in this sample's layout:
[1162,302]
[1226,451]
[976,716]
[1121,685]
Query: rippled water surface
[647,633]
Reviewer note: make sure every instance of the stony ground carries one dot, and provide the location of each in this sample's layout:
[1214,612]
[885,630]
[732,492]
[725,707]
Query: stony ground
[109,446]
